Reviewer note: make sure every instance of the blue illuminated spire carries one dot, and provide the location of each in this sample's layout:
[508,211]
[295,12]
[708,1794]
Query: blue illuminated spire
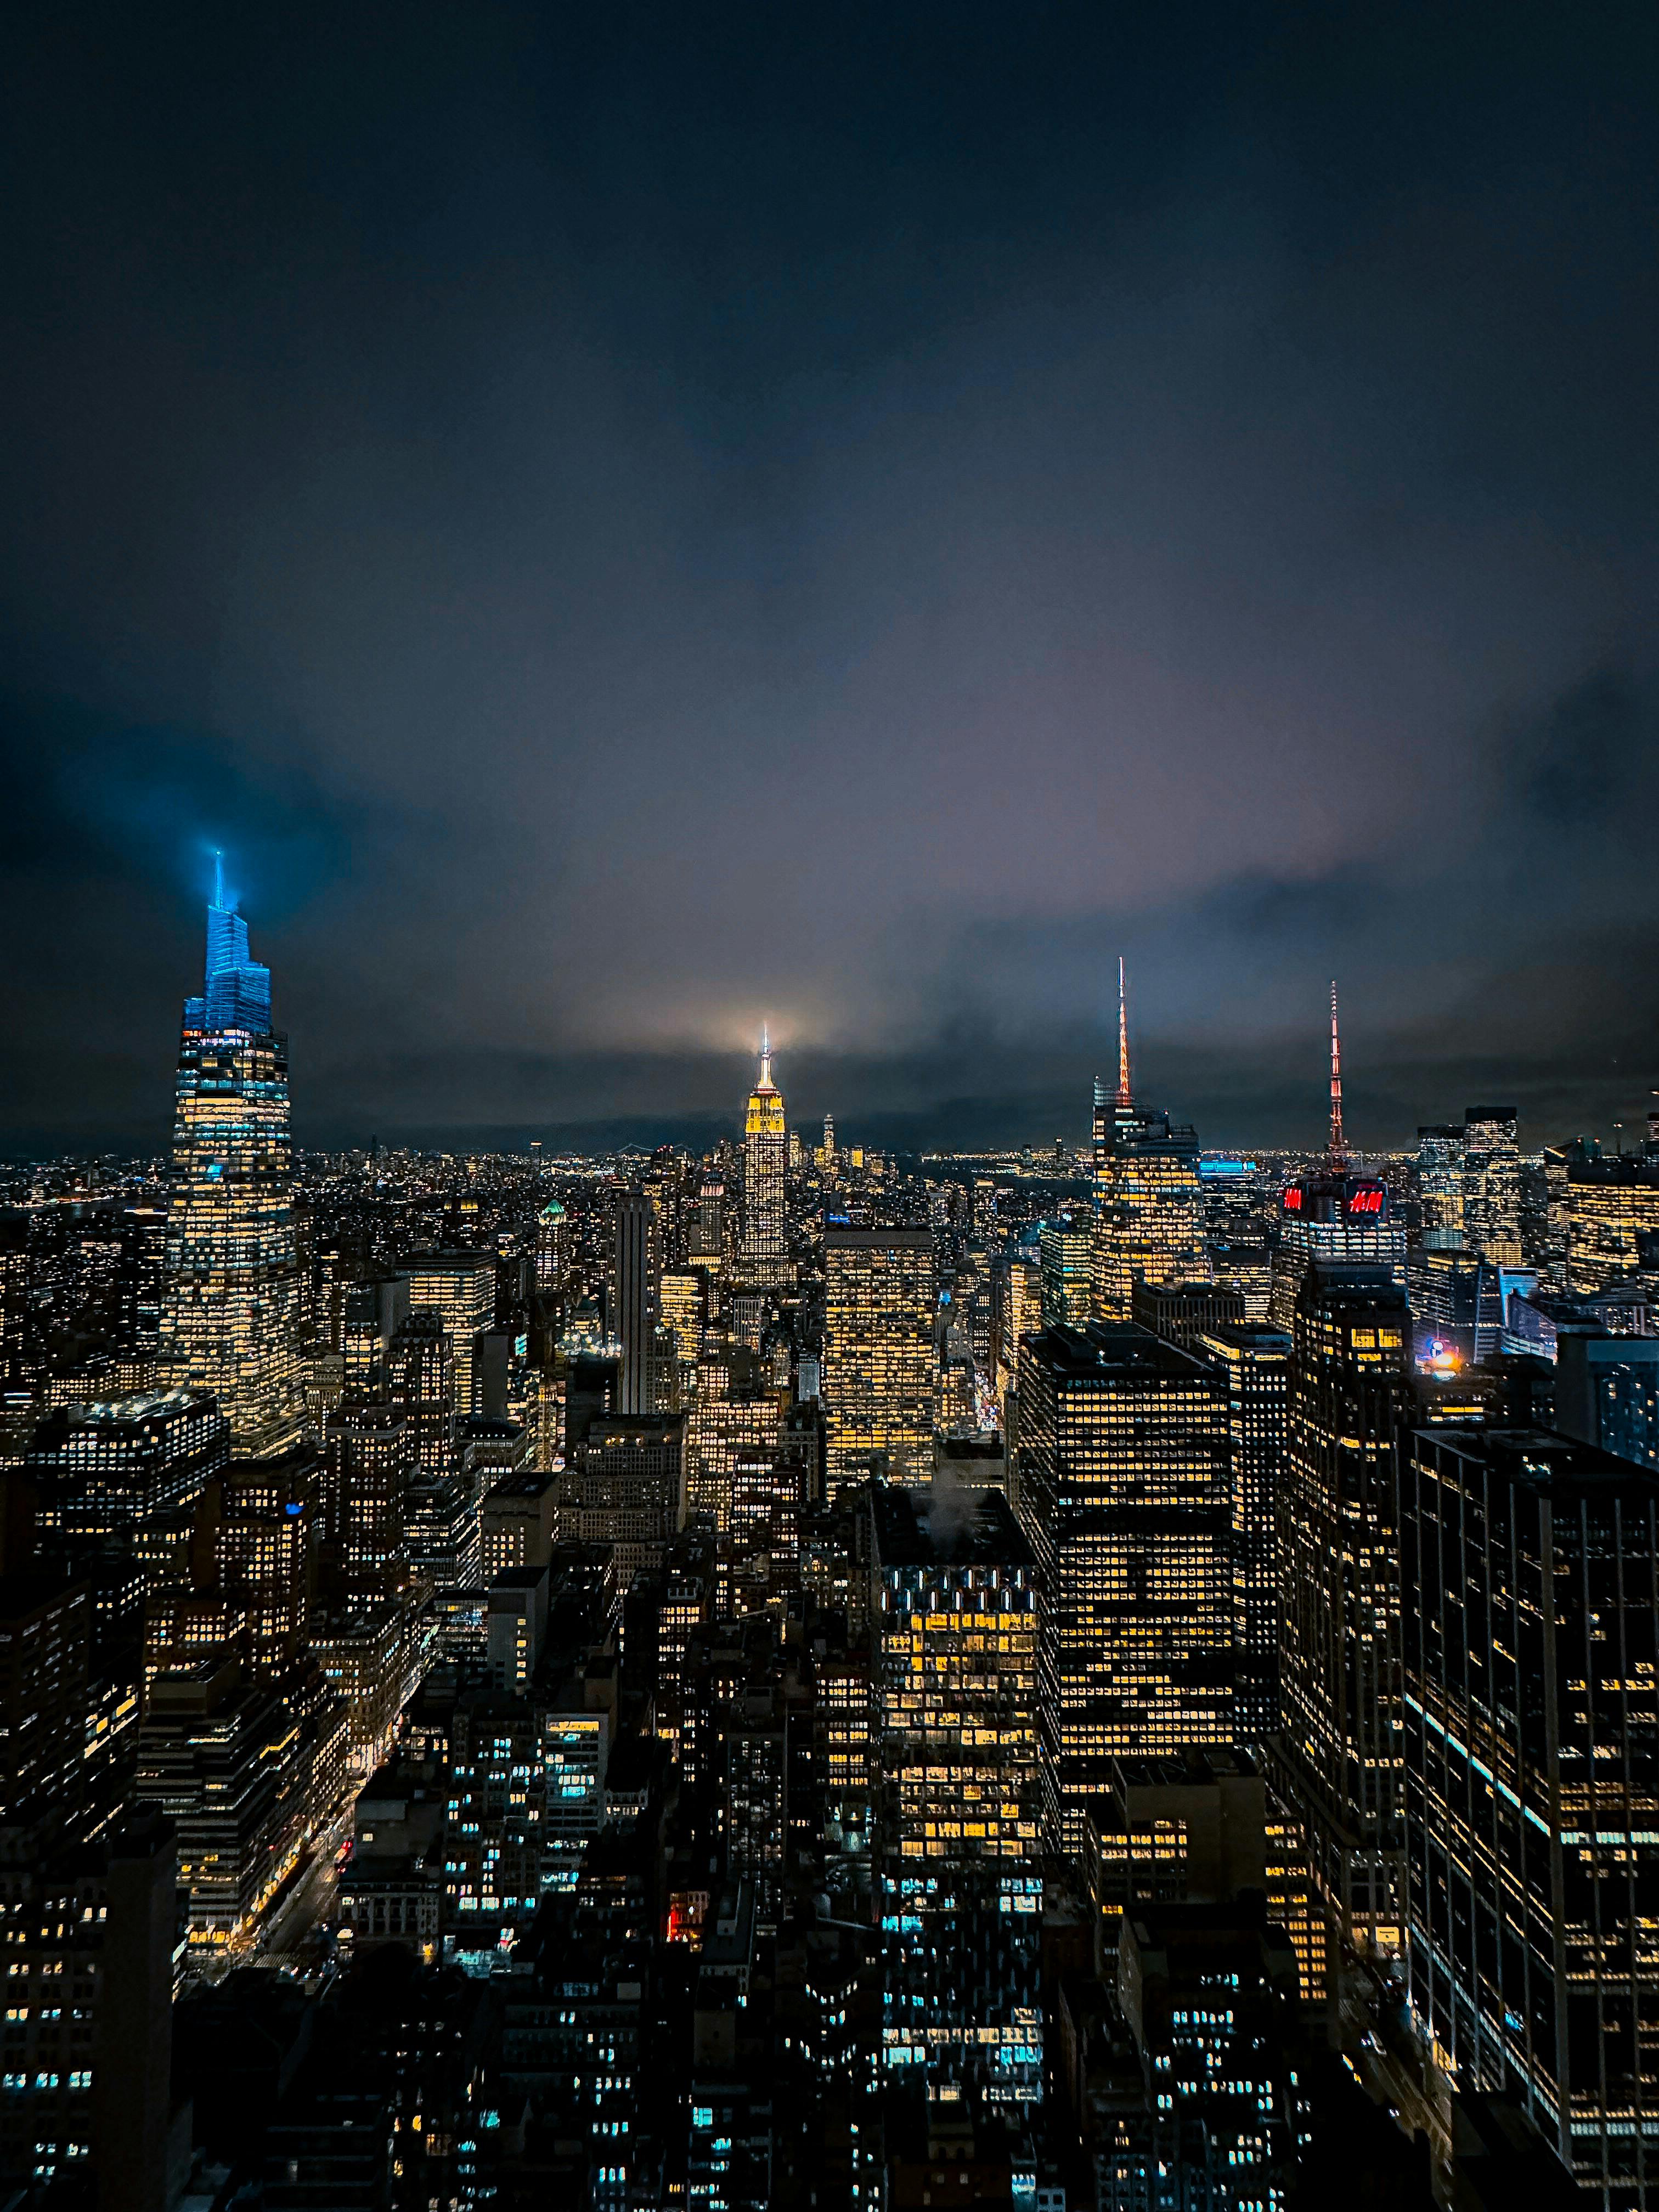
[238,988]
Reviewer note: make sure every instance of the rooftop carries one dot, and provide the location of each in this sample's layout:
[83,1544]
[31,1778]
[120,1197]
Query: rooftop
[915,1529]
[1105,1351]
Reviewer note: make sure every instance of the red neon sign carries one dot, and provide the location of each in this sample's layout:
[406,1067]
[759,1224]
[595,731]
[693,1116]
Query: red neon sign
[1366,1201]
[1293,1199]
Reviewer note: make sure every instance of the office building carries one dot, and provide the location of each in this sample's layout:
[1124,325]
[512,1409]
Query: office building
[1440,1185]
[1492,1185]
[108,1472]
[1254,1363]
[45,1640]
[1337,1217]
[1612,1220]
[87,2103]
[764,1257]
[459,1287]
[1531,1639]
[878,1358]
[1206,1992]
[1124,1495]
[552,1249]
[1149,1216]
[141,1279]
[681,1299]
[707,1236]
[230,1317]
[958,1858]
[496,1837]
[634,1268]
[371,1313]
[369,1471]
[1607,1392]
[265,1526]
[515,1627]
[235,1768]
[1457,1301]
[1350,1399]
[625,1487]
[1065,1270]
[575,1762]
[424,1373]
[1016,1309]
[1182,1311]
[372,1652]
[516,1522]
[1187,1827]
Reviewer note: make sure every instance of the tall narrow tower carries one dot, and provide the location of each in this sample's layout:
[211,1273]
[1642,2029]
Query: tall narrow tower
[1336,1151]
[229,1318]
[1337,1213]
[765,1251]
[1148,1221]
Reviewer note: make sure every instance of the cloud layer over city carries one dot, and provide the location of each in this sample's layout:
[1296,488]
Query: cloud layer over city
[630,526]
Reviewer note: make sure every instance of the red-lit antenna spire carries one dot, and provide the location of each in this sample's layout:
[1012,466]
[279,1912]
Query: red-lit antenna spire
[1338,1152]
[1124,1097]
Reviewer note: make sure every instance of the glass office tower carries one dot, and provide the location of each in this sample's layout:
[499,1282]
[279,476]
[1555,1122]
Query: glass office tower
[230,1313]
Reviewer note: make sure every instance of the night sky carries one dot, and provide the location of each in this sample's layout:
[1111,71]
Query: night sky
[628,521]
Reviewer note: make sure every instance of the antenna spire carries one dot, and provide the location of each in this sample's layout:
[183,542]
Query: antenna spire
[766,1057]
[1337,1151]
[218,877]
[1124,1096]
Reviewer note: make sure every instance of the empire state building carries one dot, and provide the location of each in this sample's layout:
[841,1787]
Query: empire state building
[764,1258]
[230,1313]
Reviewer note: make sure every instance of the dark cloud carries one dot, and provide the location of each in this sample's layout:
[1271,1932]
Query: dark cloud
[627,523]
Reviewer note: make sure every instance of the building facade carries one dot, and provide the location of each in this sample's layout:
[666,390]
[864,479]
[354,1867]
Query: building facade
[958,1864]
[1530,1639]
[230,1316]
[764,1257]
[880,1296]
[1254,1363]
[1124,1497]
[1350,1400]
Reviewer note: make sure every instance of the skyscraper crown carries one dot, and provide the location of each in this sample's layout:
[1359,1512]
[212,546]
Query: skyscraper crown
[237,995]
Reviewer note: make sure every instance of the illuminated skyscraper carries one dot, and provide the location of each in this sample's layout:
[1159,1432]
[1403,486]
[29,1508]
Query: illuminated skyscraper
[459,1287]
[1492,1184]
[765,1254]
[552,1247]
[1123,1496]
[1339,1594]
[1338,1217]
[635,1271]
[708,1234]
[1148,1200]
[1067,1259]
[959,1874]
[1440,1185]
[229,1317]
[680,1295]
[1530,1632]
[1611,1214]
[879,1357]
[1016,1294]
[1256,1364]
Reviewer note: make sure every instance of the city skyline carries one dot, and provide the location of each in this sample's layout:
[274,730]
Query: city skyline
[881,1426]
[964,1123]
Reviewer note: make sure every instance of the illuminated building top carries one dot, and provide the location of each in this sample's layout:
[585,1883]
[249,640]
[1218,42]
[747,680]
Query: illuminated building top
[237,988]
[765,1114]
[765,1251]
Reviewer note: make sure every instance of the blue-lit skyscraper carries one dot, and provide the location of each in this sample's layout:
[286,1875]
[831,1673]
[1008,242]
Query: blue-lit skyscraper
[230,1320]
